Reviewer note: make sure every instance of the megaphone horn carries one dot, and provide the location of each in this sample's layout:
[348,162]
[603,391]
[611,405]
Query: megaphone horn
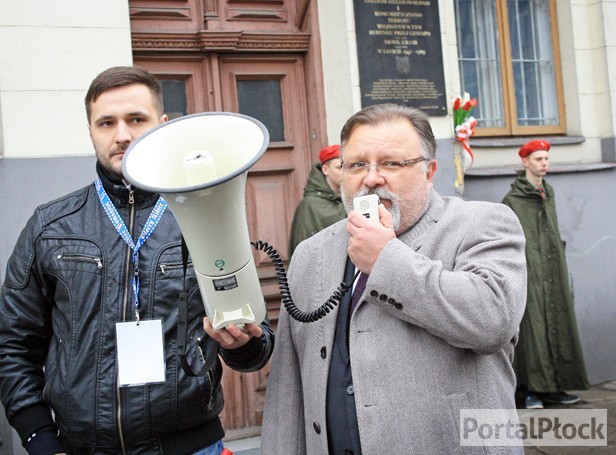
[199,164]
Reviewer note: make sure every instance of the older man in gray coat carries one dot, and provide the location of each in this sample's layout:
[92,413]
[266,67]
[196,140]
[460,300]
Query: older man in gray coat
[433,331]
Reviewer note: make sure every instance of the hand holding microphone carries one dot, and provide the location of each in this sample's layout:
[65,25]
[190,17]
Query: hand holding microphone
[369,235]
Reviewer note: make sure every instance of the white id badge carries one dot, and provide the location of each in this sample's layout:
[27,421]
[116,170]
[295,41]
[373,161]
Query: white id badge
[141,358]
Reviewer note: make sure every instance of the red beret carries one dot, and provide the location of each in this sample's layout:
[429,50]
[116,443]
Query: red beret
[329,153]
[533,146]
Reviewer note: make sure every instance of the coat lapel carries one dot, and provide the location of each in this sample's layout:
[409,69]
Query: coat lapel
[332,261]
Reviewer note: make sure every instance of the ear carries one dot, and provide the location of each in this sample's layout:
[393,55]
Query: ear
[164,118]
[432,166]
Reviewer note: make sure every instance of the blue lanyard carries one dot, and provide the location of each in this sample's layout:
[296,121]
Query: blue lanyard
[120,227]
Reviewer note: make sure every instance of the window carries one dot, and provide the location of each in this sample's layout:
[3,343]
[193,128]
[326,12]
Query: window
[174,97]
[508,59]
[262,100]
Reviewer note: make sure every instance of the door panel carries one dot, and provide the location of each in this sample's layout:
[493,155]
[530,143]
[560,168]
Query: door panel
[267,195]
[271,91]
[278,179]
[190,73]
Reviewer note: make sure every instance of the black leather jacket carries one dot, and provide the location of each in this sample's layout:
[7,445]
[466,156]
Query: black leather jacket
[68,282]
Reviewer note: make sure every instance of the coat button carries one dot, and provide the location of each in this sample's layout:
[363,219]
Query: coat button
[350,390]
[383,297]
[374,294]
[391,301]
[323,352]
[317,427]
[398,306]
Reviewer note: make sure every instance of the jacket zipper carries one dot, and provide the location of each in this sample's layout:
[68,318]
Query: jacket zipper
[81,258]
[165,267]
[55,373]
[127,290]
[210,376]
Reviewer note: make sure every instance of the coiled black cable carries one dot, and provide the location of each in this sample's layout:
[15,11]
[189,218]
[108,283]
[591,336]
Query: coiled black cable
[285,293]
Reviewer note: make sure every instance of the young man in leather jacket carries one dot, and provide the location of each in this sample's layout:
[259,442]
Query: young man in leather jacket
[73,277]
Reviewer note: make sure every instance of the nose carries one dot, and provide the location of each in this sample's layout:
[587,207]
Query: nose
[123,133]
[373,178]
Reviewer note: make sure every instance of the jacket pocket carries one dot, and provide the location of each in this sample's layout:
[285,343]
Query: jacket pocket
[81,258]
[168,283]
[69,258]
[74,270]
[53,364]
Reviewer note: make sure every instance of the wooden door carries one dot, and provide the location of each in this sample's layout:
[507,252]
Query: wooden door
[271,91]
[258,58]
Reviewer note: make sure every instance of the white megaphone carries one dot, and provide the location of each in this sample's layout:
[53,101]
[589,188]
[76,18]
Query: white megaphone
[199,163]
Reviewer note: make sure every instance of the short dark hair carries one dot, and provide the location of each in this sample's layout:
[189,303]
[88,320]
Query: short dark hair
[120,76]
[379,113]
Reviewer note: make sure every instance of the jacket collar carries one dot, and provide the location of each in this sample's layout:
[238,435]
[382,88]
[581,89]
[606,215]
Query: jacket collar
[317,185]
[521,186]
[118,192]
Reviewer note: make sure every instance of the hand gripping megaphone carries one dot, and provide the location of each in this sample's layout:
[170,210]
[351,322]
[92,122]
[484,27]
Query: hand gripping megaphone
[199,163]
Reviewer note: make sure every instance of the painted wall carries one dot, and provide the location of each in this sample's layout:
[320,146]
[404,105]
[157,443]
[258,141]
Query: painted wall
[49,53]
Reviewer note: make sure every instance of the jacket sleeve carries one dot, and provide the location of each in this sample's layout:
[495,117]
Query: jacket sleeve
[253,355]
[475,304]
[25,333]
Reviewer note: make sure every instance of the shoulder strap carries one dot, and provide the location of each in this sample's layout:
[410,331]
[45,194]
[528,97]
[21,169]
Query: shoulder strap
[211,347]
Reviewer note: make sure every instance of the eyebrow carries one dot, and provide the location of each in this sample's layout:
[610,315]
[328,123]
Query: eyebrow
[137,114]
[130,115]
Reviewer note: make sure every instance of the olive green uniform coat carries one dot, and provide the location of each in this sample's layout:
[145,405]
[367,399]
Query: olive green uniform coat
[320,208]
[548,357]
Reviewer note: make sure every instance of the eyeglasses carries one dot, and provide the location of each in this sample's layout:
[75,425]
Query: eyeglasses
[383,168]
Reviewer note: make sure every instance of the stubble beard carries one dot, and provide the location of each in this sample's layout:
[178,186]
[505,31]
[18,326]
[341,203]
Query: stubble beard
[405,211]
[105,159]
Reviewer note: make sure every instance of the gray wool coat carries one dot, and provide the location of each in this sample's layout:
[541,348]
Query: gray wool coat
[434,333]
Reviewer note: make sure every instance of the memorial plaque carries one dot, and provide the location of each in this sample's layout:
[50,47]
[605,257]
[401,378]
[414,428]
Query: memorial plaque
[400,54]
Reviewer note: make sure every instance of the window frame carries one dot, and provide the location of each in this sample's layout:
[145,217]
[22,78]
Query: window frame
[511,127]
